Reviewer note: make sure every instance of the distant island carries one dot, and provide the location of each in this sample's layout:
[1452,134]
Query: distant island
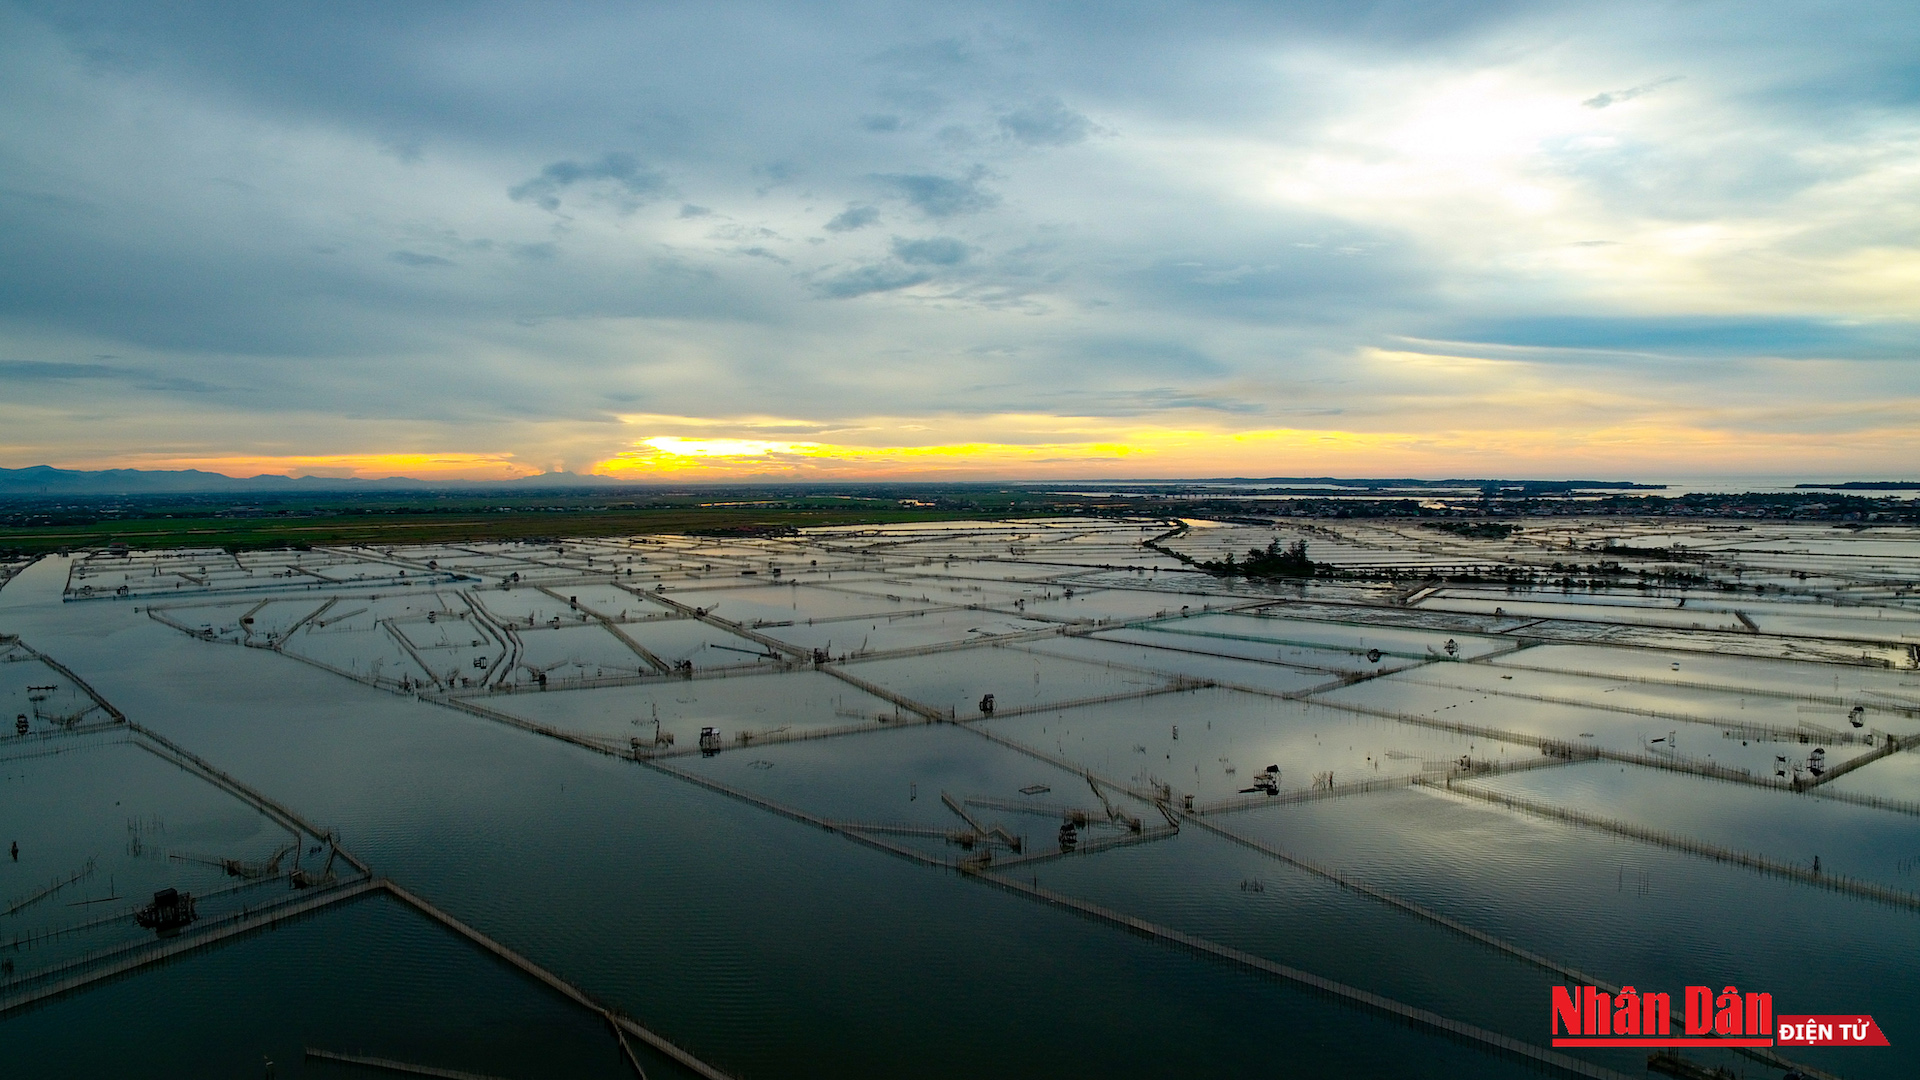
[1867,485]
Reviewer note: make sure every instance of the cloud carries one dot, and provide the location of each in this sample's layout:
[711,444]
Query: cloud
[1302,184]
[53,371]
[780,172]
[41,370]
[876,278]
[937,55]
[1046,123]
[1615,97]
[1147,355]
[1703,336]
[942,196]
[626,183]
[853,217]
[1148,401]
[936,251]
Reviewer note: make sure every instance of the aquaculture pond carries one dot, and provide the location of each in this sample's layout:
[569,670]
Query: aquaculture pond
[1020,798]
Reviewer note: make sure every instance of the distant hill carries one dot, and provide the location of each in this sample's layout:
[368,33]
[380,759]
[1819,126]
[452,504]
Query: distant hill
[46,480]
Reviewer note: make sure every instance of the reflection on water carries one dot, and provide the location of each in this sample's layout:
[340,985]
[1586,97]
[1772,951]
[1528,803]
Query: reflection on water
[504,791]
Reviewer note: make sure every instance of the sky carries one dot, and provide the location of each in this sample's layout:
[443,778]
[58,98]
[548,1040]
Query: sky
[831,240]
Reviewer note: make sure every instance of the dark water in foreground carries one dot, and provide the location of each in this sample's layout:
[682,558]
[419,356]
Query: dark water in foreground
[766,947]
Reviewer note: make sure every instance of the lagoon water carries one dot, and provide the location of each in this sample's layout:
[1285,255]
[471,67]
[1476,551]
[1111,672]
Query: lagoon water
[770,946]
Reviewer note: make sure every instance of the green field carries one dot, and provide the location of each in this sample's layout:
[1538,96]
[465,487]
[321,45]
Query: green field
[151,523]
[422,528]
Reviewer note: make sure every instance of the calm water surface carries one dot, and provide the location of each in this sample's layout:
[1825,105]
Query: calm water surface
[772,948]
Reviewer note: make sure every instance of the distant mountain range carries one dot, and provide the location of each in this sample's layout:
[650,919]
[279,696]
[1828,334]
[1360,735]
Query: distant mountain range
[46,480]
